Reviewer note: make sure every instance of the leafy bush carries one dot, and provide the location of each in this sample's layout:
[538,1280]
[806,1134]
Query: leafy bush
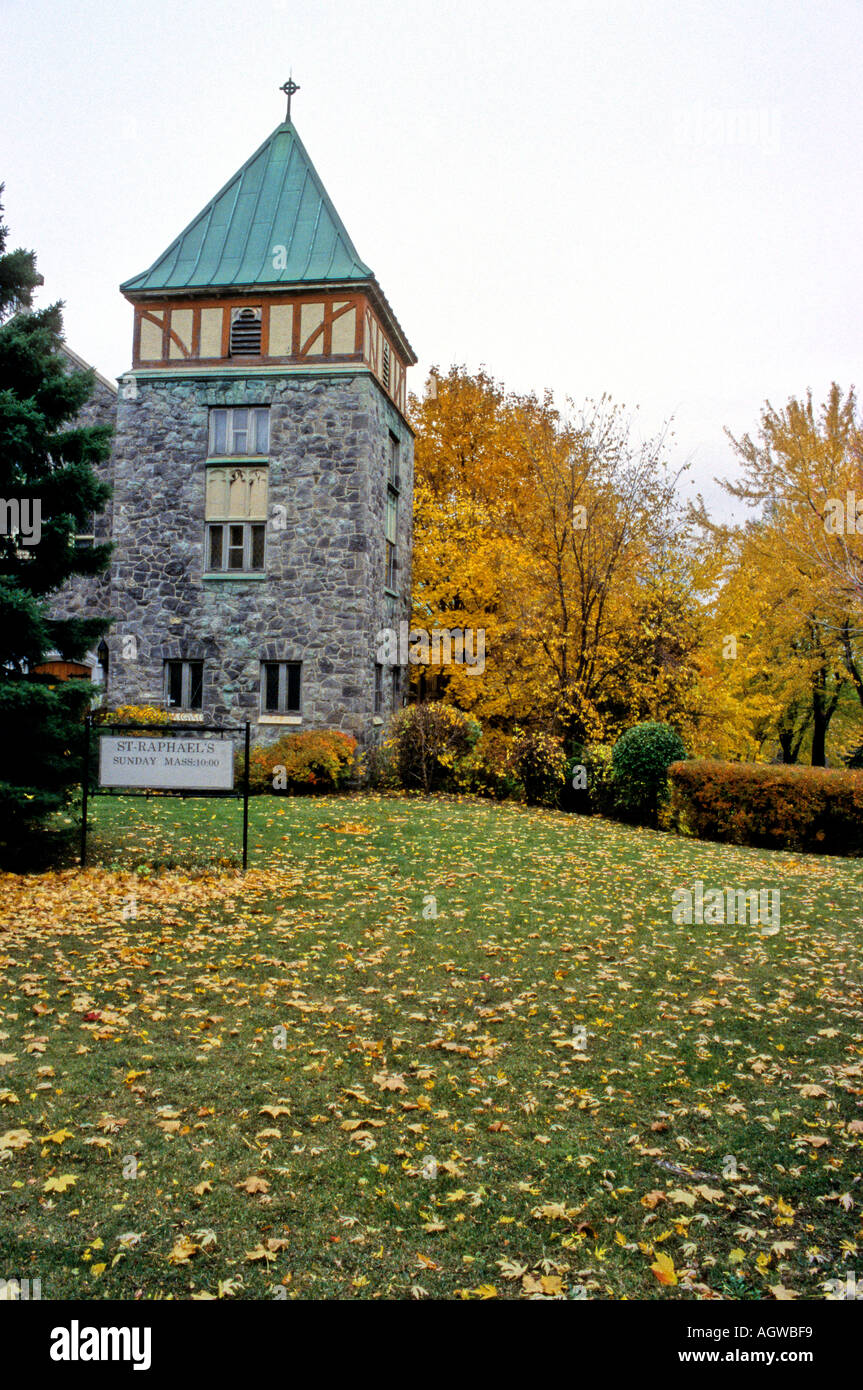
[539,762]
[597,760]
[770,807]
[378,769]
[317,760]
[427,740]
[640,761]
[485,770]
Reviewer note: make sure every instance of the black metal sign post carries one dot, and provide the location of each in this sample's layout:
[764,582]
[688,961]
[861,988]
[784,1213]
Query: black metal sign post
[246,801]
[85,787]
[175,731]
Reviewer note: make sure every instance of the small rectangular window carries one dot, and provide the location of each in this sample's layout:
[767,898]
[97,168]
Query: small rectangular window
[391,562]
[239,547]
[280,687]
[241,430]
[184,684]
[379,688]
[393,462]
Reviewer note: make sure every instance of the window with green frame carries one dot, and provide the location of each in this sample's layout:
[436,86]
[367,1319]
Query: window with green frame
[239,430]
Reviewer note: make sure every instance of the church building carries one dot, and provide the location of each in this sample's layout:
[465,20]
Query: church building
[262,468]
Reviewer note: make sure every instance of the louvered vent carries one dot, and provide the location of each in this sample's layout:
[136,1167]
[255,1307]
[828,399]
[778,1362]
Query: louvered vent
[386,367]
[245,332]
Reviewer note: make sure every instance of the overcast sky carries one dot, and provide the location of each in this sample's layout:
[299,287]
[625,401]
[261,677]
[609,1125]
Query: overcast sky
[659,199]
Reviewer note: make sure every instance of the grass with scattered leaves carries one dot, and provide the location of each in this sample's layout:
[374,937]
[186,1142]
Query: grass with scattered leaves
[358,1071]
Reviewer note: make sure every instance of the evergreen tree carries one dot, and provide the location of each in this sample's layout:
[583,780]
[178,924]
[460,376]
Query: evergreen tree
[48,491]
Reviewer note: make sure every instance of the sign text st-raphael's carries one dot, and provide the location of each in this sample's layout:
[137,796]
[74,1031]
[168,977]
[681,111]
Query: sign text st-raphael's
[179,764]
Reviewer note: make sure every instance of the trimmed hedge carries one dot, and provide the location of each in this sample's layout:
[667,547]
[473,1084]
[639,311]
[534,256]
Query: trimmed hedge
[640,761]
[816,809]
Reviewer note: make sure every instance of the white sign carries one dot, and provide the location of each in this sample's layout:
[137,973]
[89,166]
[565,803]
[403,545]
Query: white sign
[204,764]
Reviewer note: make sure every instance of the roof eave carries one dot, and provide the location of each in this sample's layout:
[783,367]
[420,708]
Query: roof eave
[83,365]
[385,310]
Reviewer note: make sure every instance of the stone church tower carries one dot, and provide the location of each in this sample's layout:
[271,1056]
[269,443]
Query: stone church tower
[262,467]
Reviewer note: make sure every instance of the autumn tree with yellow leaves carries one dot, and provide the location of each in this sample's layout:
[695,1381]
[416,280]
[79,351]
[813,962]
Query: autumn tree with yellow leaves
[561,536]
[783,665]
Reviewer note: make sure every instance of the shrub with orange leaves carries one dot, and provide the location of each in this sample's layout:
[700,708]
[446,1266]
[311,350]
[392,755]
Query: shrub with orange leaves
[770,806]
[316,760]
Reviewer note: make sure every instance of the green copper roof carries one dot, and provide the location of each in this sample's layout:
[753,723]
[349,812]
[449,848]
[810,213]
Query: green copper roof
[275,200]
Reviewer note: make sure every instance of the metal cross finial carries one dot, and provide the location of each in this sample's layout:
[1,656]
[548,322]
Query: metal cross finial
[289,88]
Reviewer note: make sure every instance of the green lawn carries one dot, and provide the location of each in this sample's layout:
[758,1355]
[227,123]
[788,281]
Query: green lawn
[297,1084]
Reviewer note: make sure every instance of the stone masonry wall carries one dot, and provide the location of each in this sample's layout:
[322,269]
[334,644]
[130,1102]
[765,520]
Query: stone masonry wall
[322,601]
